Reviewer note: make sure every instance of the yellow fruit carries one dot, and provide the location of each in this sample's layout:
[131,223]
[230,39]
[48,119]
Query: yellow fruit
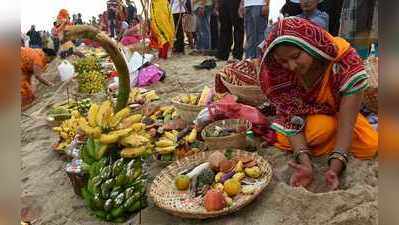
[108,138]
[232,187]
[239,176]
[239,167]
[121,133]
[170,136]
[248,189]
[102,111]
[192,136]
[193,99]
[134,140]
[133,152]
[185,99]
[182,182]
[204,95]
[90,131]
[253,172]
[136,127]
[75,114]
[164,143]
[219,176]
[116,119]
[92,114]
[218,186]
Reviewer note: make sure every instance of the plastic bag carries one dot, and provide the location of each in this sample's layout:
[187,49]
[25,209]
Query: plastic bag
[149,75]
[66,70]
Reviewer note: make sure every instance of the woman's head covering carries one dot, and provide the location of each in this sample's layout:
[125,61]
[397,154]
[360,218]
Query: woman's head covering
[281,85]
[63,15]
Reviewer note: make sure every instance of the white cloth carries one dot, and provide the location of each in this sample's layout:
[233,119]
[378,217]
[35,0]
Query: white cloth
[178,6]
[253,2]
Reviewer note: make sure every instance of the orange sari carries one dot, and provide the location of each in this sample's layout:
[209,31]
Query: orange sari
[29,59]
[320,130]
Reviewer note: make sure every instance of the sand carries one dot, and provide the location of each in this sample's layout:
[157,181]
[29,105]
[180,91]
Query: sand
[48,198]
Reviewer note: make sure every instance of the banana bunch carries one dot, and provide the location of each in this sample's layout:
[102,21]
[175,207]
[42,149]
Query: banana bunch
[167,143]
[164,113]
[121,129]
[115,188]
[63,110]
[91,81]
[86,64]
[68,130]
[195,99]
[137,97]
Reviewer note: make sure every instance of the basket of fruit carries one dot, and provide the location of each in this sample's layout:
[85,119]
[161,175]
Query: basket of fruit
[211,183]
[189,105]
[230,133]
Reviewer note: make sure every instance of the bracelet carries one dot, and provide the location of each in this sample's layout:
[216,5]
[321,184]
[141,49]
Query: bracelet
[338,156]
[342,153]
[302,150]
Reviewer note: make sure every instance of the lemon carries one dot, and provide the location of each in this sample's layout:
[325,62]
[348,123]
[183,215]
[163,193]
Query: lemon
[182,182]
[232,187]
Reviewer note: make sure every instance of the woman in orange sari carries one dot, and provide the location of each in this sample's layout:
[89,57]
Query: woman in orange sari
[33,63]
[315,81]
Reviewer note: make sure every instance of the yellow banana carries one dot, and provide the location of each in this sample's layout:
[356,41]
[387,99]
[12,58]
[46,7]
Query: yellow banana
[108,138]
[127,122]
[91,115]
[136,127]
[170,136]
[121,133]
[185,99]
[90,131]
[116,119]
[133,152]
[167,110]
[164,143]
[57,129]
[75,114]
[103,109]
[193,99]
[192,136]
[134,140]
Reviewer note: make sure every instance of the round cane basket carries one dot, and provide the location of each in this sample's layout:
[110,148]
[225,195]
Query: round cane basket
[180,203]
[186,111]
[235,140]
[250,94]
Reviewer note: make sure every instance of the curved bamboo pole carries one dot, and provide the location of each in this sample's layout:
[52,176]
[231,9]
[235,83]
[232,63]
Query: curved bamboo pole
[92,33]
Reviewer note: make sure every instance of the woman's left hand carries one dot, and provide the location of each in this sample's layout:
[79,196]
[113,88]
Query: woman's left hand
[332,179]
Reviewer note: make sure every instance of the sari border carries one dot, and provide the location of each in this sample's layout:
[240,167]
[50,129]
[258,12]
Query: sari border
[300,43]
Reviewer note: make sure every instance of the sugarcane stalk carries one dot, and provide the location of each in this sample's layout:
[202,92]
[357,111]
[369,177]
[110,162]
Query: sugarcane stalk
[92,33]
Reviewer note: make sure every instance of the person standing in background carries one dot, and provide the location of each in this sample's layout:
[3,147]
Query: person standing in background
[255,13]
[35,41]
[202,10]
[79,19]
[189,24]
[162,27]
[310,12]
[214,23]
[131,11]
[231,30]
[178,10]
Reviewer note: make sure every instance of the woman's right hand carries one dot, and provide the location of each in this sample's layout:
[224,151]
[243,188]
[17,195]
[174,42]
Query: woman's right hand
[302,176]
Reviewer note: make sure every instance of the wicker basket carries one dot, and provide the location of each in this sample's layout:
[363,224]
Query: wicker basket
[186,111]
[235,140]
[371,93]
[167,197]
[250,95]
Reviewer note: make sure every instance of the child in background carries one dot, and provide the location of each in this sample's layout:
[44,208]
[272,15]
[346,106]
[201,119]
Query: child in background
[312,13]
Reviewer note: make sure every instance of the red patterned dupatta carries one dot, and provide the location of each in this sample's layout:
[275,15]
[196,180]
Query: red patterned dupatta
[345,74]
